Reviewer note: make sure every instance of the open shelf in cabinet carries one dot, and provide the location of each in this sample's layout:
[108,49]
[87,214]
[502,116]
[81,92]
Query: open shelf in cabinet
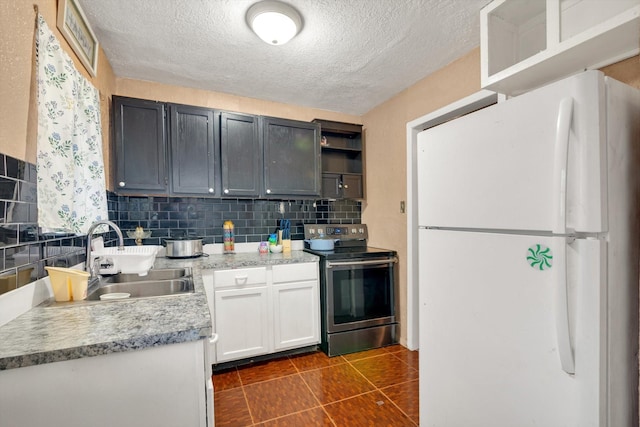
[342,160]
[528,43]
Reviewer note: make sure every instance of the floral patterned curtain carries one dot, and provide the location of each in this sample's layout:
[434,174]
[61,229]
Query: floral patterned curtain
[71,181]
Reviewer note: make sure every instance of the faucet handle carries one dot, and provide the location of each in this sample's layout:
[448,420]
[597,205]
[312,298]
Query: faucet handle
[100,264]
[106,263]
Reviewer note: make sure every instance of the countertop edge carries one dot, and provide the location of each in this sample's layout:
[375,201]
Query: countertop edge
[99,349]
[136,341]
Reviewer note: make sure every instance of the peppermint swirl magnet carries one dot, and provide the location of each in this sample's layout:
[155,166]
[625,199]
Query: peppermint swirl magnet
[540,257]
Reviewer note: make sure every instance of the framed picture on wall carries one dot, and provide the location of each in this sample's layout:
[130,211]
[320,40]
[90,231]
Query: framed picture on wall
[76,30]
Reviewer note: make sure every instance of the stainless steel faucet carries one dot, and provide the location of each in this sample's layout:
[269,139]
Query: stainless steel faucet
[88,267]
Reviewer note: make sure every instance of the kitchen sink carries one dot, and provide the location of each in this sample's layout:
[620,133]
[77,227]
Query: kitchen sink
[143,289]
[156,283]
[152,275]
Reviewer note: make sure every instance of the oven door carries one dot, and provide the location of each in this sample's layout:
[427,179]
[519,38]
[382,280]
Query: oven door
[359,293]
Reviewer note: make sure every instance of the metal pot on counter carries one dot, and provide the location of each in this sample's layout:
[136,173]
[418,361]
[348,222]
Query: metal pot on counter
[183,247]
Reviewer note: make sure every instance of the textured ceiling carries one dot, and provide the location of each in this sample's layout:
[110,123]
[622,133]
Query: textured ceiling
[350,56]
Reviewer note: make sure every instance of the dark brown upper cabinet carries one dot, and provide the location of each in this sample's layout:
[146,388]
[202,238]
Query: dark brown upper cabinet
[291,158]
[193,160]
[342,160]
[149,162]
[241,155]
[175,149]
[140,146]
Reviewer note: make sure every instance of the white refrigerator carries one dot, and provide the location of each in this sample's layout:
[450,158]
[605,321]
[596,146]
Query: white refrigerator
[528,260]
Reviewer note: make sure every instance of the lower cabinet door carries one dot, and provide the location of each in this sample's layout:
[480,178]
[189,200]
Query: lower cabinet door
[242,323]
[296,314]
[352,186]
[331,186]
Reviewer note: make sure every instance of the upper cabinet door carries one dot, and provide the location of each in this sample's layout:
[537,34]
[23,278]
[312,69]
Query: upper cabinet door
[140,143]
[291,158]
[193,159]
[241,155]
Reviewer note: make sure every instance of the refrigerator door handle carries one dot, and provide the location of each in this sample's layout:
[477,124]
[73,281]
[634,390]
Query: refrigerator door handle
[561,152]
[565,350]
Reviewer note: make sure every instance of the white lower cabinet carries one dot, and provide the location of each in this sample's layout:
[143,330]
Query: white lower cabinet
[241,323]
[296,305]
[262,310]
[164,386]
[295,315]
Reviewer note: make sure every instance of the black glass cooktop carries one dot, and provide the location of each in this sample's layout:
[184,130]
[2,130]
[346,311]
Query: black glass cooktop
[349,252]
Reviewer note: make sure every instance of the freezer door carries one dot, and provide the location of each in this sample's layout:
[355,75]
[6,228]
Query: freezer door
[534,162]
[500,327]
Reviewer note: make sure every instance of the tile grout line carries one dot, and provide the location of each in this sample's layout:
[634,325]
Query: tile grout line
[298,373]
[404,382]
[244,394]
[313,394]
[395,404]
[246,399]
[378,388]
[403,361]
[270,379]
[342,361]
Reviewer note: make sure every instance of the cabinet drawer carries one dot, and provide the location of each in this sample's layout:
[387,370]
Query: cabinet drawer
[295,272]
[239,277]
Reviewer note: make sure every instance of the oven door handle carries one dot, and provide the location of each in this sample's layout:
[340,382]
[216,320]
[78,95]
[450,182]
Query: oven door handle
[392,260]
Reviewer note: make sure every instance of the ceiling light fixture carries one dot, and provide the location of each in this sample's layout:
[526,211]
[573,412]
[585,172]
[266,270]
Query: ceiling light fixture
[274,22]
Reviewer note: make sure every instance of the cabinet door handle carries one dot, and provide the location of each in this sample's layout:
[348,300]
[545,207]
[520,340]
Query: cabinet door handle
[268,191]
[121,184]
[346,186]
[211,190]
[226,191]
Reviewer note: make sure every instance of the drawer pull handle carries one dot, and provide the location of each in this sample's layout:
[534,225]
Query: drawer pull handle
[242,280]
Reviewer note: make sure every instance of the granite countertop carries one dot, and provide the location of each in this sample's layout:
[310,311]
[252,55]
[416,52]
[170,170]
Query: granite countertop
[48,333]
[251,259]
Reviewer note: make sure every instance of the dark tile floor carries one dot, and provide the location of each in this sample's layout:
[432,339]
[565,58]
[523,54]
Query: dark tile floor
[372,388]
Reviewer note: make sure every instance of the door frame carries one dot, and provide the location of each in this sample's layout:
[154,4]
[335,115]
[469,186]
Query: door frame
[466,105]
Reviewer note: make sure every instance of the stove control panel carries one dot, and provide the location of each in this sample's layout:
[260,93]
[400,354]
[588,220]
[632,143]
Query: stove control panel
[332,231]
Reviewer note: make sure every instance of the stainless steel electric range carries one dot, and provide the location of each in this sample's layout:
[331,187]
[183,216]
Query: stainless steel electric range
[358,290]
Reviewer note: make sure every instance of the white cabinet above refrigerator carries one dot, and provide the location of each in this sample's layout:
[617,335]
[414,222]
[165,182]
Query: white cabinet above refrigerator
[525,44]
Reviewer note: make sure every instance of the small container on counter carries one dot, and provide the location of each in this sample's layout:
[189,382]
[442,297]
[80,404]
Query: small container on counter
[68,284]
[228,237]
[263,248]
